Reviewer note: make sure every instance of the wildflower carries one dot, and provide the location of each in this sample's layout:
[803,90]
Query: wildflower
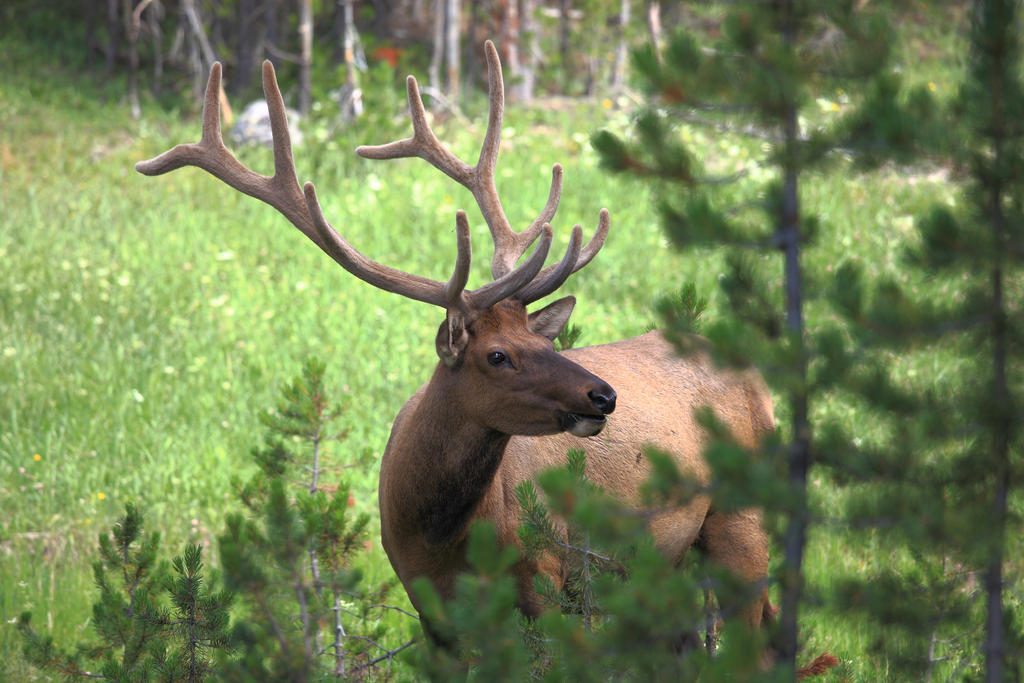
[37,457]
[101,495]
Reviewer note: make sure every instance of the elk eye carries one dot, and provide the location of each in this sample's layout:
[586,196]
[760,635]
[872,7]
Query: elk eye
[496,358]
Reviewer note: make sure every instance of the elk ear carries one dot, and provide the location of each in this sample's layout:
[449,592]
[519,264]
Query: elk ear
[549,321]
[452,339]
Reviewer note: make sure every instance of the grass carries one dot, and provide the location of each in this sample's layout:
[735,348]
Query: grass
[146,321]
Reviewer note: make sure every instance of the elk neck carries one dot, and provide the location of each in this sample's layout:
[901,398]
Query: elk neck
[452,460]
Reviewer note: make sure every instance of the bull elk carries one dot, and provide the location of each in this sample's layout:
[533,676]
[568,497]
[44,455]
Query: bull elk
[501,404]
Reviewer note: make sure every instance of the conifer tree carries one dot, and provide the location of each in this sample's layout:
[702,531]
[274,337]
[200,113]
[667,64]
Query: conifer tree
[760,80]
[302,611]
[951,465]
[139,638]
[307,614]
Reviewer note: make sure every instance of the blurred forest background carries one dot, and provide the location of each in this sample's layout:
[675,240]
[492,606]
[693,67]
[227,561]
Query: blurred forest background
[567,48]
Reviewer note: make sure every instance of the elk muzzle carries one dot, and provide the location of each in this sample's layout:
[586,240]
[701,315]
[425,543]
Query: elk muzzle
[602,400]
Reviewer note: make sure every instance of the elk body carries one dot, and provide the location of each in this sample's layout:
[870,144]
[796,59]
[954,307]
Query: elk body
[502,405]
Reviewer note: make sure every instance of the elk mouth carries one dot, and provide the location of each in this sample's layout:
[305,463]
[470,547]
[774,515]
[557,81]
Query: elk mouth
[579,424]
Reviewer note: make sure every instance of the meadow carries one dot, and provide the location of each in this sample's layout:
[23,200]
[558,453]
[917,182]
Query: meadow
[145,322]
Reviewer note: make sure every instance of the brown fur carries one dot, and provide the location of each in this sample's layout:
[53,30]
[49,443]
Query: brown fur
[459,445]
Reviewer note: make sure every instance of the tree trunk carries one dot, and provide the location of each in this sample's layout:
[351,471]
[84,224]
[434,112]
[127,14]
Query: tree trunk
[247,47]
[437,56]
[654,26]
[270,19]
[795,537]
[131,25]
[351,104]
[338,33]
[510,48]
[305,55]
[1002,403]
[90,31]
[348,42]
[201,55]
[469,49]
[995,639]
[113,37]
[528,35]
[454,67]
[618,79]
[563,43]
[154,16]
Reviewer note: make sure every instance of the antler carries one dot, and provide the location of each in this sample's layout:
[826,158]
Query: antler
[509,245]
[302,208]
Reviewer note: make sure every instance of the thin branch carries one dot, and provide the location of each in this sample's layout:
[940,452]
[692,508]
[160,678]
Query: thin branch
[396,609]
[275,51]
[388,655]
[750,131]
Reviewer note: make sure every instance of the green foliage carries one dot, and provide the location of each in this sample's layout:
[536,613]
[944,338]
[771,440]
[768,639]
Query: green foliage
[568,337]
[307,613]
[953,495]
[684,311]
[480,625]
[289,562]
[625,612]
[140,639]
[762,77]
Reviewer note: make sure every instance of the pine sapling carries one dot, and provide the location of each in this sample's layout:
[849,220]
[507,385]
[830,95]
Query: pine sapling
[291,559]
[139,638]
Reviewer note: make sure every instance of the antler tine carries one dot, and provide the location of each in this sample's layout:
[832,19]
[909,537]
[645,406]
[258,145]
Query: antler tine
[210,154]
[507,285]
[457,284]
[451,295]
[509,245]
[300,207]
[423,143]
[552,277]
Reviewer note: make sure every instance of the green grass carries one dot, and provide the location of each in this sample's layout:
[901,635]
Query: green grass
[144,322]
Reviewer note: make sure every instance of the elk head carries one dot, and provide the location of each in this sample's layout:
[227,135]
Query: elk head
[497,359]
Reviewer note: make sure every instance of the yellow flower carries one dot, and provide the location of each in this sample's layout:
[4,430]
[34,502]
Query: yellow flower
[931,86]
[606,103]
[37,457]
[101,495]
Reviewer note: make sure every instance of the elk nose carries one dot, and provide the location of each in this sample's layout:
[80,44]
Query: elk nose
[603,399]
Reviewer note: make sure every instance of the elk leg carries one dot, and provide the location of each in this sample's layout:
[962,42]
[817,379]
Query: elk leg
[737,542]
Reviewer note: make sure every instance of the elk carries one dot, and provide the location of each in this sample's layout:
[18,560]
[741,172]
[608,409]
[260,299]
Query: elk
[501,404]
